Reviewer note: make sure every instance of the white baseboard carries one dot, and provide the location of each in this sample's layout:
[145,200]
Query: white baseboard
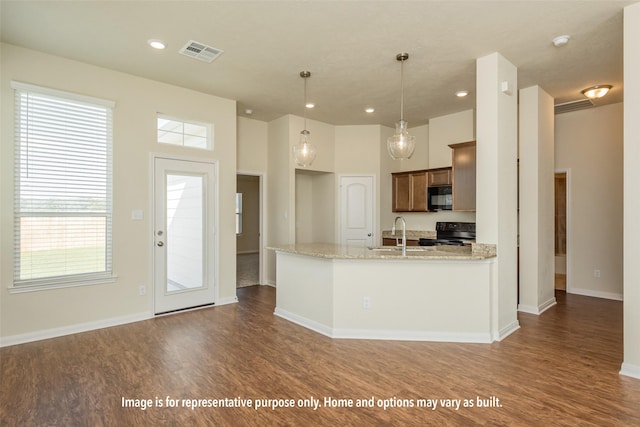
[271,283]
[382,334]
[596,294]
[303,321]
[539,309]
[507,330]
[630,370]
[72,329]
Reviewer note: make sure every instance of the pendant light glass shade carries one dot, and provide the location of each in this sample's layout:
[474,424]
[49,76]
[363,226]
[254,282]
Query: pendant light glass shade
[401,145]
[304,152]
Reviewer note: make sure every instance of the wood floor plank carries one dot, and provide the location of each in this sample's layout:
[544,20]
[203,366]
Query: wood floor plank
[560,368]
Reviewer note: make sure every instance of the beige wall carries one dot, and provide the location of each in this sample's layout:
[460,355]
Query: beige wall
[137,103]
[252,146]
[589,145]
[445,130]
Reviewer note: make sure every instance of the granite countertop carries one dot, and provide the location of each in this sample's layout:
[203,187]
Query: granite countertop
[411,234]
[475,251]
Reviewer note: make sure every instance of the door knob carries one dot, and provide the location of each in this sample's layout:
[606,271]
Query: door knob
[160,244]
[369,234]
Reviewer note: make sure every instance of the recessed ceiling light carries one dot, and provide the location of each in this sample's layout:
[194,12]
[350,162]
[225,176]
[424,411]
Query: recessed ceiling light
[310,105]
[561,40]
[462,93]
[369,110]
[156,44]
[248,111]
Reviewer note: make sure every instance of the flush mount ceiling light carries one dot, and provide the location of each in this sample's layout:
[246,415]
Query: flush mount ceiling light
[462,93]
[597,91]
[369,110]
[561,40]
[156,44]
[309,105]
[401,144]
[304,152]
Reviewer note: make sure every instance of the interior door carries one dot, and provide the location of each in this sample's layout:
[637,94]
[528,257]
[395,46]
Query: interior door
[184,234]
[356,210]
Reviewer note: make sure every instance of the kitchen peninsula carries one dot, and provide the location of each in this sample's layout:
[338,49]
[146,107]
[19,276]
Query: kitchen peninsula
[442,293]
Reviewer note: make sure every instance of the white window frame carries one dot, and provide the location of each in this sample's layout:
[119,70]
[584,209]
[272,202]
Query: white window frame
[66,280]
[208,126]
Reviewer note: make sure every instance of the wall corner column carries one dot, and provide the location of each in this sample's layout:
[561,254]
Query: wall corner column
[536,201]
[496,182]
[631,275]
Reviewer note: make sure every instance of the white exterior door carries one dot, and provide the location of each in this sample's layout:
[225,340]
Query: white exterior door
[357,203]
[184,234]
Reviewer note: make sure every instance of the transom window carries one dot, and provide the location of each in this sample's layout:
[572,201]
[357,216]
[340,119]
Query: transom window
[63,187]
[185,133]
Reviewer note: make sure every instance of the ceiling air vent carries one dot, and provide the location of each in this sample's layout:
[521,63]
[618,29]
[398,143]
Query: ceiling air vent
[566,107]
[200,51]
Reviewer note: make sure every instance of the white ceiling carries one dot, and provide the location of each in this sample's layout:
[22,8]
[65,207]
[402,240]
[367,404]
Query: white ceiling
[350,48]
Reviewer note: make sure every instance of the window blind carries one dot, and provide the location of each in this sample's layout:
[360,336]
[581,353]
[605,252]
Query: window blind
[63,187]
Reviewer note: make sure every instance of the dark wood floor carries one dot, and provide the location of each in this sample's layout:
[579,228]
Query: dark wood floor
[560,368]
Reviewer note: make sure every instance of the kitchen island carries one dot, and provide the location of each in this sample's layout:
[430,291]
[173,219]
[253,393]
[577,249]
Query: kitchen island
[436,293]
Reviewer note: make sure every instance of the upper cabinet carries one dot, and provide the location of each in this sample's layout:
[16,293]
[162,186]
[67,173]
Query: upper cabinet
[464,176]
[439,177]
[409,191]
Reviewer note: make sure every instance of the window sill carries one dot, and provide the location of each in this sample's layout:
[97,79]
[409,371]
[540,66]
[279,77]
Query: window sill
[35,286]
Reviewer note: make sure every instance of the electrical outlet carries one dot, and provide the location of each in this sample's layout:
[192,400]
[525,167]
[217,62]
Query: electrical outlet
[142,290]
[366,303]
[596,274]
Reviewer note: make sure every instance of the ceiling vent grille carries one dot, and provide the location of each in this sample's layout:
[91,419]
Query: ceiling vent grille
[200,51]
[566,107]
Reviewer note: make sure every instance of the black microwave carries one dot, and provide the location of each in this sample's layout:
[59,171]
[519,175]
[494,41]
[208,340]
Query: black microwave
[440,198]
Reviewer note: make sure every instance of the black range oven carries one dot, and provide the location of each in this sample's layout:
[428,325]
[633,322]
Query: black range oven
[452,233]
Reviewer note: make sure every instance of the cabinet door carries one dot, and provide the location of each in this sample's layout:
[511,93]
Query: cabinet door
[401,187]
[409,191]
[464,176]
[439,177]
[419,192]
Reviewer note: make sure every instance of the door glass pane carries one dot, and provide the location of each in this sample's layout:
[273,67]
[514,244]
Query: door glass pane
[185,232]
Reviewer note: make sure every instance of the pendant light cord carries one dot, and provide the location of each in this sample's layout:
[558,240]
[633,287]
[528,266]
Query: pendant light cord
[305,103]
[402,90]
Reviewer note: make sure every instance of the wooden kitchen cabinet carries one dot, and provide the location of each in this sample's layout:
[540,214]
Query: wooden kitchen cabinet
[409,191]
[439,177]
[464,176]
[392,242]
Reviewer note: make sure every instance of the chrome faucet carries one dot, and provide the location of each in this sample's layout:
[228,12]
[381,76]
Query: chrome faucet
[404,234]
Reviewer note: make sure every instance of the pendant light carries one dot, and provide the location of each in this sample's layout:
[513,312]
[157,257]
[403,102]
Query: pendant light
[401,144]
[304,151]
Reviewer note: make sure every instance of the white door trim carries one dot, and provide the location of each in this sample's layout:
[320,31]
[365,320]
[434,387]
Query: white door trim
[263,218]
[567,172]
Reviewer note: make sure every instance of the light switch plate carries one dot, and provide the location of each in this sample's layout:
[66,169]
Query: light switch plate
[137,215]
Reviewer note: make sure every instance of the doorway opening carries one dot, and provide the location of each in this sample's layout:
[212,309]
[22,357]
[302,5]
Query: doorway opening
[248,230]
[561,197]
